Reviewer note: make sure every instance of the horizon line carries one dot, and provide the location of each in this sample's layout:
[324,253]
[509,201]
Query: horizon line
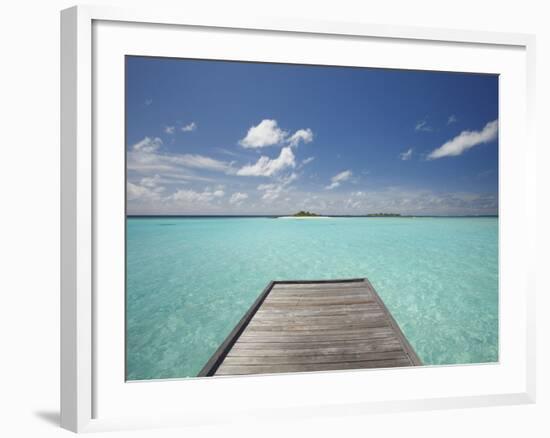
[373,215]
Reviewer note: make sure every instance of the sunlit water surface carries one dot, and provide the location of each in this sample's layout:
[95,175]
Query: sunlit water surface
[189,281]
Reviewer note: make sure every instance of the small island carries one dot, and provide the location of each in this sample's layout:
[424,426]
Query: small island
[305,214]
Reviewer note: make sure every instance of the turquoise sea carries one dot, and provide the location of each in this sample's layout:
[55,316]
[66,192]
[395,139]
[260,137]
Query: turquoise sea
[189,281]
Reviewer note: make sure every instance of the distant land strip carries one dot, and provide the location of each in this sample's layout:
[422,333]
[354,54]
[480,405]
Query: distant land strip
[270,216]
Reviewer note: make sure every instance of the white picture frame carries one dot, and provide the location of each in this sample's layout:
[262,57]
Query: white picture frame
[86,379]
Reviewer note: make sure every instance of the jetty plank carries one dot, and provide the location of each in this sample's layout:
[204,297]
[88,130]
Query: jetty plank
[293,368]
[303,326]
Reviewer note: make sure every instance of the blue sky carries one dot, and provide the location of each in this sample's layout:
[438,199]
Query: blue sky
[212,137]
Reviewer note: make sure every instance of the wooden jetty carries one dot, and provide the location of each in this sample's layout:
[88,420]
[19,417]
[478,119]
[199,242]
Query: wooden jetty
[297,326]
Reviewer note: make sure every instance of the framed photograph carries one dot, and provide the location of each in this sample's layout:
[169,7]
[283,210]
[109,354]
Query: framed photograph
[260,207]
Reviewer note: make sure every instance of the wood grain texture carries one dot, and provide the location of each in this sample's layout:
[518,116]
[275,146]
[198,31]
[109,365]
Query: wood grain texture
[314,326]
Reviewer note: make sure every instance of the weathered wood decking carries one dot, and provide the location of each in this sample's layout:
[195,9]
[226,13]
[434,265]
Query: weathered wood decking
[297,326]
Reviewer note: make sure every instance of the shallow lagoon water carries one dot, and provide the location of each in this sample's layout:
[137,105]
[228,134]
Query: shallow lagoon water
[190,280]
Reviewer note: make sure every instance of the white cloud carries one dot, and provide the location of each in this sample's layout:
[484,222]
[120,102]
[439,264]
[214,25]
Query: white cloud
[305,135]
[189,197]
[452,119]
[134,191]
[147,190]
[150,181]
[266,133]
[307,160]
[406,155]
[352,204]
[149,195]
[289,179]
[146,157]
[190,127]
[336,180]
[275,198]
[169,130]
[148,145]
[199,162]
[399,200]
[266,166]
[422,125]
[267,186]
[272,191]
[466,140]
[228,152]
[237,198]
